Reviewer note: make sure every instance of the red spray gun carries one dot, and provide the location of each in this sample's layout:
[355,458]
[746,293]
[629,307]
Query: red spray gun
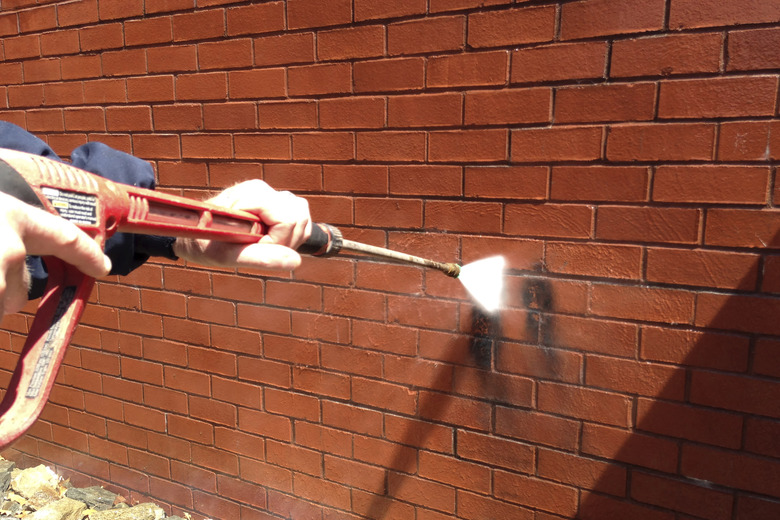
[101,208]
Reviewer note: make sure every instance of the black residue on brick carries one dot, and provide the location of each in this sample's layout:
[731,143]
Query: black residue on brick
[538,299]
[485,332]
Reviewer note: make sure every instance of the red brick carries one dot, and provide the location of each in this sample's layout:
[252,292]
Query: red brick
[599,183]
[495,451]
[148,30]
[323,146]
[22,47]
[681,496]
[389,212]
[199,25]
[327,78]
[506,182]
[588,18]
[729,468]
[475,506]
[711,184]
[129,118]
[744,141]
[415,312]
[391,146]
[582,472]
[284,49]
[594,335]
[583,143]
[753,314]
[291,350]
[468,145]
[318,13]
[661,142]
[421,492]
[352,112]
[596,103]
[358,420]
[534,492]
[443,109]
[704,349]
[427,35]
[257,83]
[177,117]
[172,59]
[642,303]
[548,220]
[595,506]
[425,180]
[9,24]
[667,55]
[207,146]
[100,37]
[38,19]
[225,54]
[760,435]
[630,447]
[470,413]
[584,403]
[754,508]
[124,62]
[105,91]
[396,74]
[702,267]
[632,377]
[751,49]
[689,422]
[351,42]
[648,224]
[85,119]
[537,428]
[455,472]
[511,27]
[721,97]
[255,19]
[742,228]
[733,392]
[771,279]
[201,86]
[356,179]
[374,9]
[150,88]
[44,70]
[287,114]
[355,474]
[559,62]
[512,106]
[109,10]
[601,260]
[688,14]
[472,69]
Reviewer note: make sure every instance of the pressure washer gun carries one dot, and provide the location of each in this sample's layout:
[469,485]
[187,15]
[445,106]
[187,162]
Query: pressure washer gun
[101,208]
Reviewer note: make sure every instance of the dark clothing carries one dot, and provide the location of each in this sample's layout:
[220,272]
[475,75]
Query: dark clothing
[126,251]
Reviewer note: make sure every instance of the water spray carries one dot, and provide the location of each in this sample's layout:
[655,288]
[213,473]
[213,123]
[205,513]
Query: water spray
[483,279]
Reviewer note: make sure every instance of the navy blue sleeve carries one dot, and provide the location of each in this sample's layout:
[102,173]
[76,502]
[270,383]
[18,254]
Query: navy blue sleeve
[126,251]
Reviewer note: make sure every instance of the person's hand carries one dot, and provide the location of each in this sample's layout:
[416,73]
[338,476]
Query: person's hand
[286,216]
[25,230]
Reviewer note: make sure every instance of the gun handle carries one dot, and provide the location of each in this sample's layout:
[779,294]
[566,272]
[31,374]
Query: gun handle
[55,322]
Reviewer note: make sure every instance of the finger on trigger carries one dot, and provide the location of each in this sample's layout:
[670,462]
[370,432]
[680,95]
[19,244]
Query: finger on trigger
[46,234]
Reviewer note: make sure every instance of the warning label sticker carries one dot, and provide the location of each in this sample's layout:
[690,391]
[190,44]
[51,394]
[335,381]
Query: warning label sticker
[79,208]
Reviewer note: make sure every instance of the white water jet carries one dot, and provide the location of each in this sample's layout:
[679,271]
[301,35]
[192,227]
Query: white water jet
[484,280]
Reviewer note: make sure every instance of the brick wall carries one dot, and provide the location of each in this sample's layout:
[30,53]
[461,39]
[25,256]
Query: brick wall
[621,154]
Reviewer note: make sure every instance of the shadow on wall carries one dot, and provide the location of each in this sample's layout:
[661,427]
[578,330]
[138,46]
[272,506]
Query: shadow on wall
[706,443]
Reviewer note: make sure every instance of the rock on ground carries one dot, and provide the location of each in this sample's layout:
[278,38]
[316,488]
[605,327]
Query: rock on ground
[40,494]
